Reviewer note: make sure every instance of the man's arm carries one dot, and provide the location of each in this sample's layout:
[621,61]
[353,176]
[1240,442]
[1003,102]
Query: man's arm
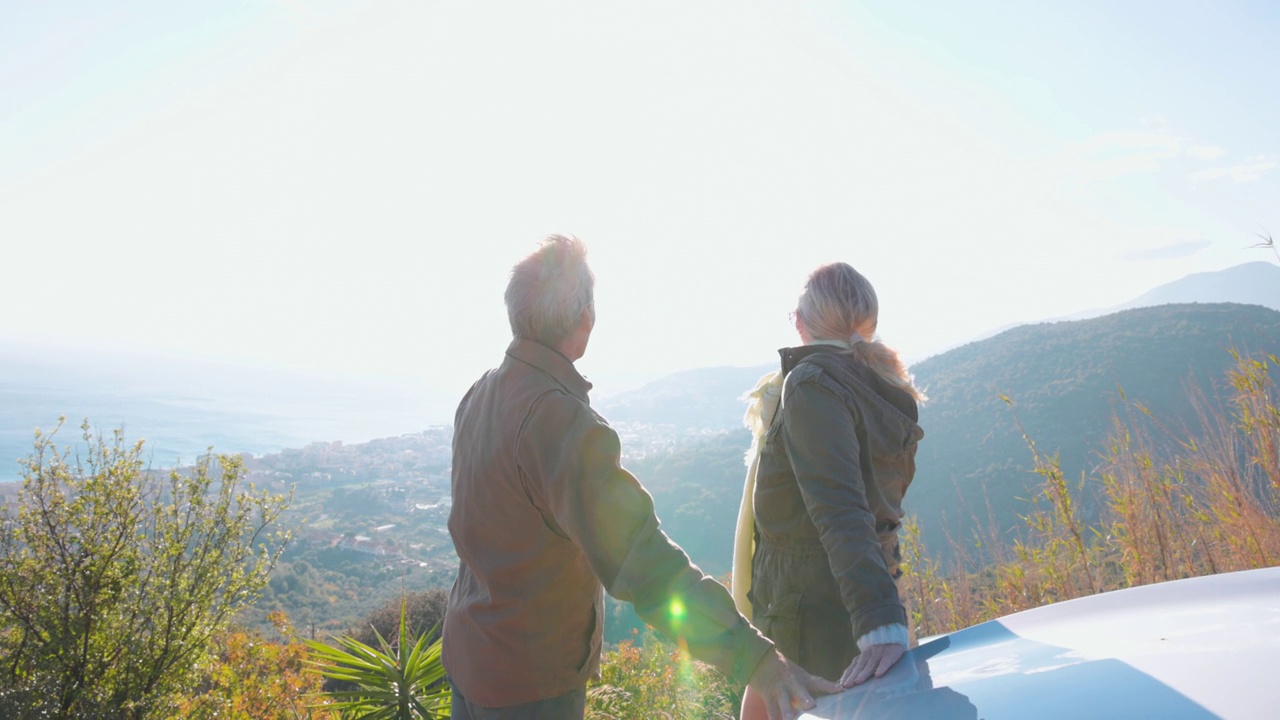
[571,460]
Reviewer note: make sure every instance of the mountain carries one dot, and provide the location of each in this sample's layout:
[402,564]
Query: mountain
[706,398]
[710,398]
[974,468]
[1064,383]
[1255,283]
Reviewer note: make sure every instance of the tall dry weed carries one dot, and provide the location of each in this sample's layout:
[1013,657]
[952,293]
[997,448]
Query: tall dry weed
[1175,504]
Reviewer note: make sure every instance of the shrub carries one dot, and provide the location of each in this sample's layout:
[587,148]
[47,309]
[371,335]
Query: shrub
[114,580]
[1176,504]
[404,682]
[653,679]
[249,677]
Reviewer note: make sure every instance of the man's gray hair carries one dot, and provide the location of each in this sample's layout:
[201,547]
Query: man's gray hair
[549,290]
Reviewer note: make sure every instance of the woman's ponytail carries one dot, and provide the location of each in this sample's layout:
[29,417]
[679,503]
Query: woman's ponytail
[839,304]
[886,363]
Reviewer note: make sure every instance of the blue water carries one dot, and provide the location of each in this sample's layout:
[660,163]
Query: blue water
[183,409]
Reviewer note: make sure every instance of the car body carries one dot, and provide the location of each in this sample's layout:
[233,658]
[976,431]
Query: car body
[1201,647]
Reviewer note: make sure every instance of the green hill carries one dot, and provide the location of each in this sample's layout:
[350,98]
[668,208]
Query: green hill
[1064,381]
[974,469]
[973,466]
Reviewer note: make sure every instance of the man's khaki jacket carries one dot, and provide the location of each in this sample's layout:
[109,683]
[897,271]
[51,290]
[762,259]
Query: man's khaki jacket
[544,518]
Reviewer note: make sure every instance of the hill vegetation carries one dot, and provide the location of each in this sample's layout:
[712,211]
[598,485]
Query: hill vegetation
[1059,460]
[976,475]
[1173,504]
[114,582]
[1061,384]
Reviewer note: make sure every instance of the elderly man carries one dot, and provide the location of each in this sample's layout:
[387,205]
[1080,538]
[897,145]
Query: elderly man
[545,518]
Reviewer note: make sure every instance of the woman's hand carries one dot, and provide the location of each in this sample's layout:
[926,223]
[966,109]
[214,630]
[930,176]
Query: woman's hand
[874,661]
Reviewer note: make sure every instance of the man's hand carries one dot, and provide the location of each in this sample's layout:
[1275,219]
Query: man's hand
[875,660]
[787,689]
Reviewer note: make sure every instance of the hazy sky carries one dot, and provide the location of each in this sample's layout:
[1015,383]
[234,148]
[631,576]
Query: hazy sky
[342,187]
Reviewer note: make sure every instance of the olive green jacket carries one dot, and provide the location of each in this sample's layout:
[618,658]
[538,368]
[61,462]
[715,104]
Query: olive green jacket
[833,470]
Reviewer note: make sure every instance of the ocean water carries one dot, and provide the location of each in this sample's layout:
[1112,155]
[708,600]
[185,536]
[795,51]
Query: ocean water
[182,409]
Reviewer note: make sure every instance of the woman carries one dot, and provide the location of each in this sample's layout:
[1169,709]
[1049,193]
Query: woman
[836,429]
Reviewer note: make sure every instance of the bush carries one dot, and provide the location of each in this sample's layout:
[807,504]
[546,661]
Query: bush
[250,677]
[114,580]
[653,679]
[1176,504]
[424,612]
[400,681]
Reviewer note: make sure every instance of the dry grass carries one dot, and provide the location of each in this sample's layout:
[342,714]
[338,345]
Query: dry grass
[1175,505]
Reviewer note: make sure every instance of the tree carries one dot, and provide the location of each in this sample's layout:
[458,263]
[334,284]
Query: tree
[115,579]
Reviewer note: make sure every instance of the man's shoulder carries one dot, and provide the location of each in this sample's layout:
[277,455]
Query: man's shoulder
[467,397]
[555,404]
[516,394]
[558,419]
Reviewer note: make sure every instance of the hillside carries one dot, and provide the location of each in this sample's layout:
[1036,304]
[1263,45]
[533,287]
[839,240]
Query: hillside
[974,468]
[706,398]
[375,511]
[1064,381]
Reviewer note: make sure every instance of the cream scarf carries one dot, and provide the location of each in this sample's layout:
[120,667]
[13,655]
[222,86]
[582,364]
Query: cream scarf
[762,404]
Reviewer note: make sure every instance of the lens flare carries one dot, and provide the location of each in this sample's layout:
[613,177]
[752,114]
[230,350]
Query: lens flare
[676,611]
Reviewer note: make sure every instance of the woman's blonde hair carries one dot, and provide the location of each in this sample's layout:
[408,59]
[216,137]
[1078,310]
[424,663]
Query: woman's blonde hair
[839,304]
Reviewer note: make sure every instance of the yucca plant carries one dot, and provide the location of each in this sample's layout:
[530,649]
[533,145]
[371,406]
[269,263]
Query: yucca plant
[400,683]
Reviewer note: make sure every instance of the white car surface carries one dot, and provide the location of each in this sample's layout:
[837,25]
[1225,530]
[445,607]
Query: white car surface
[1203,647]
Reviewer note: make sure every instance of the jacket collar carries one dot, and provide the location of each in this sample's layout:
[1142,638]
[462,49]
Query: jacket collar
[886,394]
[552,363]
[791,356]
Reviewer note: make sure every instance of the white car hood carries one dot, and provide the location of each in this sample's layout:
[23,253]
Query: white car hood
[1197,648]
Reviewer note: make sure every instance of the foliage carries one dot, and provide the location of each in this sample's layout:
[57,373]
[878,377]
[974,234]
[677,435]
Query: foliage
[331,589]
[424,613]
[404,682]
[248,677]
[1176,504]
[974,472]
[423,610]
[653,679]
[115,580]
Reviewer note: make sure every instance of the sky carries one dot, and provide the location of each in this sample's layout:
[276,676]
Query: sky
[340,188]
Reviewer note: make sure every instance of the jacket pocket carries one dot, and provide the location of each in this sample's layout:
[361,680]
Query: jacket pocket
[782,621]
[593,642]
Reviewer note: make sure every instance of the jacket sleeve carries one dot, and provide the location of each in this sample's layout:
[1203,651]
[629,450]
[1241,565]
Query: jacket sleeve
[823,440]
[571,461]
